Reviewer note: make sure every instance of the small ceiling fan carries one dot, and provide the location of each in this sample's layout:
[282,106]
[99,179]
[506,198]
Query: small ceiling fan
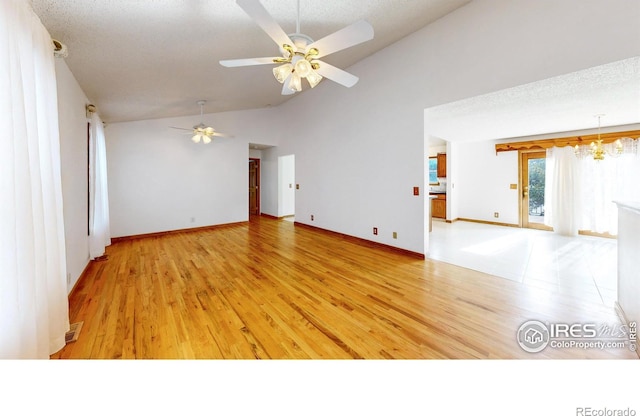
[202,131]
[300,55]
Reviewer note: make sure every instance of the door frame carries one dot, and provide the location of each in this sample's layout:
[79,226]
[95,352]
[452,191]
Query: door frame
[523,173]
[257,164]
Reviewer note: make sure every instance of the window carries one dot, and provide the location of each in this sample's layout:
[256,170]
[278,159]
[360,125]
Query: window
[433,171]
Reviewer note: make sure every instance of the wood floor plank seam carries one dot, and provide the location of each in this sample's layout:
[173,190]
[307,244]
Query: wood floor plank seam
[268,289]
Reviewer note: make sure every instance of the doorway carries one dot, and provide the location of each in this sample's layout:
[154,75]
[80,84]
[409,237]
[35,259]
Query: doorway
[287,187]
[254,186]
[532,185]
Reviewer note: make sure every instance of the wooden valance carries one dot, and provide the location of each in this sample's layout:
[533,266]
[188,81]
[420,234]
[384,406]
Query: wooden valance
[566,141]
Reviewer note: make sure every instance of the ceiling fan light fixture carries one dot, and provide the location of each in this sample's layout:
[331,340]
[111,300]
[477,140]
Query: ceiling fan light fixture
[302,52]
[314,78]
[282,72]
[300,41]
[201,132]
[303,68]
[295,82]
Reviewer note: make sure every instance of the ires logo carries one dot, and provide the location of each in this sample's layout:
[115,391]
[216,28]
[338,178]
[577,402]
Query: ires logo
[535,336]
[573,331]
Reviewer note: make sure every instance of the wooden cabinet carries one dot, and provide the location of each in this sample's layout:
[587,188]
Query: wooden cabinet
[442,165]
[439,206]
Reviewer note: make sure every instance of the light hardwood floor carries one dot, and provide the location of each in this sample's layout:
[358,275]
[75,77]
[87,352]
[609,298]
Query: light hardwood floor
[273,289]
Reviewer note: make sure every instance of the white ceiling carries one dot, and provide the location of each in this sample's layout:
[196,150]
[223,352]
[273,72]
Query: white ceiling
[564,103]
[150,59]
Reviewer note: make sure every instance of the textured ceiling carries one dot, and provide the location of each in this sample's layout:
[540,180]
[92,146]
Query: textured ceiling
[149,59]
[563,103]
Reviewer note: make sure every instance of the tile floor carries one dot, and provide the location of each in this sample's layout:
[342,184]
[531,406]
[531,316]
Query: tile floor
[583,267]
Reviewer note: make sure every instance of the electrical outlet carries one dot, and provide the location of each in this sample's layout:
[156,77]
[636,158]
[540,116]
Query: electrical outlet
[416,190]
[375,230]
[395,234]
[193,219]
[311,217]
[496,215]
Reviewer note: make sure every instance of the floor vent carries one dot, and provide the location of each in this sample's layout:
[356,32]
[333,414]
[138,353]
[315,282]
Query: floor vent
[102,258]
[73,333]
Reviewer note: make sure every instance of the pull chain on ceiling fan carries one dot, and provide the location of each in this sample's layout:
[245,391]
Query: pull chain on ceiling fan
[300,54]
[202,131]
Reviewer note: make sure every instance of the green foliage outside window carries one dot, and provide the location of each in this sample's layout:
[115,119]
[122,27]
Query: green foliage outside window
[536,186]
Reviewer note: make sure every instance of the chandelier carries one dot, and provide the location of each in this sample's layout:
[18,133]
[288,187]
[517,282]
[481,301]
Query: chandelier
[597,149]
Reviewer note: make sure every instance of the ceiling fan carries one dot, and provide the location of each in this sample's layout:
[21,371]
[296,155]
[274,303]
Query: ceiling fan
[300,55]
[202,131]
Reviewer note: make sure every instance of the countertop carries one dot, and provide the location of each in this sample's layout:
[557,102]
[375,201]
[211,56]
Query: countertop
[630,205]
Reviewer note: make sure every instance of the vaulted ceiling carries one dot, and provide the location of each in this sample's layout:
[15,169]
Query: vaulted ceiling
[140,60]
[150,59]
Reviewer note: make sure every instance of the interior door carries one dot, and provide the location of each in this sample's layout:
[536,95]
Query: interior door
[532,174]
[254,185]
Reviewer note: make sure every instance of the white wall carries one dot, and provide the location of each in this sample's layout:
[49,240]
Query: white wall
[255,153]
[434,150]
[73,158]
[286,185]
[160,180]
[360,151]
[455,169]
[482,186]
[481,178]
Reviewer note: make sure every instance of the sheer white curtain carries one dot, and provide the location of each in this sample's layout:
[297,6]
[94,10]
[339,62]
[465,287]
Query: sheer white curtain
[605,181]
[33,290]
[99,232]
[562,191]
[579,192]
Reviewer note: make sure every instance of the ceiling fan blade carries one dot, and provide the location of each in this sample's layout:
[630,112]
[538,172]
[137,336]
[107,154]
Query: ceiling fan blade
[180,128]
[262,17]
[358,32]
[218,134]
[247,62]
[337,75]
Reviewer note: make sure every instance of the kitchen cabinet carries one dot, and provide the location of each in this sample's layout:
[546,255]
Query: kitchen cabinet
[439,206]
[442,165]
